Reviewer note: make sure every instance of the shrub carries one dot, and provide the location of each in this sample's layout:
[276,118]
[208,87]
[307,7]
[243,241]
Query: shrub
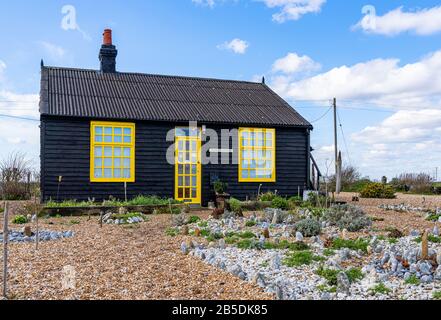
[284,244]
[15,177]
[436,295]
[309,227]
[172,232]
[268,196]
[250,223]
[193,219]
[220,187]
[347,217]
[280,203]
[235,206]
[299,258]
[354,274]
[380,288]
[248,244]
[295,201]
[19,219]
[359,244]
[377,190]
[413,280]
[394,233]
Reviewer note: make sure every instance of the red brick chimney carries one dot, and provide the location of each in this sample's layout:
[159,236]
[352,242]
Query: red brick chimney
[108,53]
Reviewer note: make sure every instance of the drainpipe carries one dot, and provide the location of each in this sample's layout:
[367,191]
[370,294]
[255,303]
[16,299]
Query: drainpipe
[308,159]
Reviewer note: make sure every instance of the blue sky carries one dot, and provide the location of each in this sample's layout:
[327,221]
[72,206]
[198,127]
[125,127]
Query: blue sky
[385,75]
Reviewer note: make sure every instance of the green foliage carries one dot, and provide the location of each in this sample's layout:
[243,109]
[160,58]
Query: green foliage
[377,190]
[309,227]
[248,244]
[359,244]
[430,238]
[220,187]
[19,219]
[73,222]
[235,205]
[280,203]
[295,201]
[436,295]
[193,219]
[347,217]
[433,217]
[250,223]
[394,233]
[326,288]
[126,216]
[380,288]
[413,280]
[203,224]
[284,244]
[268,196]
[69,204]
[172,232]
[354,274]
[328,252]
[299,258]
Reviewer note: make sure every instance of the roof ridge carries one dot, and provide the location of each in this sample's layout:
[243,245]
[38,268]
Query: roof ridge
[155,75]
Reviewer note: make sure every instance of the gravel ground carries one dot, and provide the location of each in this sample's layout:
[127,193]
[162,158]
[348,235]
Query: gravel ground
[118,262]
[404,221]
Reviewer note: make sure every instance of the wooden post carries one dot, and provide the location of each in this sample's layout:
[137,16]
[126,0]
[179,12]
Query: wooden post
[101,219]
[37,236]
[5,251]
[424,246]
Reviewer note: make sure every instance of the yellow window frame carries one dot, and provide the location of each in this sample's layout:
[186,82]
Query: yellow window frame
[245,144]
[119,144]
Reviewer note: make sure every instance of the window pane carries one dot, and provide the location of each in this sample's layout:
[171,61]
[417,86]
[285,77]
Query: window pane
[117,152]
[117,139]
[108,151]
[261,164]
[187,180]
[269,154]
[259,154]
[187,192]
[181,132]
[180,169]
[245,143]
[245,174]
[245,134]
[260,173]
[107,173]
[260,143]
[253,164]
[187,169]
[117,131]
[269,136]
[98,151]
[108,139]
[252,174]
[98,162]
[126,173]
[269,164]
[181,157]
[193,146]
[193,181]
[98,173]
[98,138]
[194,157]
[107,162]
[108,130]
[181,181]
[269,143]
[180,145]
[117,162]
[193,169]
[259,135]
[117,173]
[127,139]
[126,163]
[128,131]
[99,130]
[180,193]
[193,193]
[127,152]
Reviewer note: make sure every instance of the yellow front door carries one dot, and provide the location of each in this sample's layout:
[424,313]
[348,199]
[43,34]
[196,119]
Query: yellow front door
[188,165]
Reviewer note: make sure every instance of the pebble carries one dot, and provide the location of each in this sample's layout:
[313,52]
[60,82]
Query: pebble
[43,235]
[299,236]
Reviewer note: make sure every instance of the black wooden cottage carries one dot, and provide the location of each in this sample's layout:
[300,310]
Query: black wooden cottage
[102,131]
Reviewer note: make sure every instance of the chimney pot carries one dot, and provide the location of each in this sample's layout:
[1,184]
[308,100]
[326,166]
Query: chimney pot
[107,37]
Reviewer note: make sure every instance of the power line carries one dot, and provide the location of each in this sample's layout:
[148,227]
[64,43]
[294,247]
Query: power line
[16,117]
[344,138]
[321,117]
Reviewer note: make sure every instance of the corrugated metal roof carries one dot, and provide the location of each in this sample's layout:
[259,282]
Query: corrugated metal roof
[90,93]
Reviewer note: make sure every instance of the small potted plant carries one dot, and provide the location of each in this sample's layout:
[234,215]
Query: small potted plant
[221,194]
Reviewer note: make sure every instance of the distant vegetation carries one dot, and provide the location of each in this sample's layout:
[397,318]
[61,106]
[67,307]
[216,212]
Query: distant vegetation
[416,183]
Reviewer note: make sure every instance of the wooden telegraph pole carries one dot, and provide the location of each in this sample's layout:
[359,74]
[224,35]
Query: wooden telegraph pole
[335,136]
[5,251]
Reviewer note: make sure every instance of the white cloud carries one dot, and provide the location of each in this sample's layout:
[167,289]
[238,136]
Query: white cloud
[2,70]
[381,81]
[208,3]
[54,51]
[421,22]
[405,126]
[293,9]
[293,63]
[236,45]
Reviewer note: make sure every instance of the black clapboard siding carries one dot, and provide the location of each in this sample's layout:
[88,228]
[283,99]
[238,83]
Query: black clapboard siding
[65,151]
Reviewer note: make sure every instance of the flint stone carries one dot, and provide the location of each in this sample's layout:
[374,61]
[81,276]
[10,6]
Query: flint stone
[299,236]
[343,284]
